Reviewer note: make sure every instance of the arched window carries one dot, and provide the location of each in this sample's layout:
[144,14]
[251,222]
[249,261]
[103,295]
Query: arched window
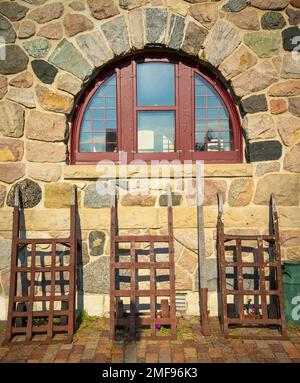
[156,108]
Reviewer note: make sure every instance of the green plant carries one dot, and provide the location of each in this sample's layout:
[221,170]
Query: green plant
[180,330]
[39,321]
[214,339]
[164,331]
[85,319]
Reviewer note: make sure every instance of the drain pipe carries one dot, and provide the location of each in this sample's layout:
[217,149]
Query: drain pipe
[205,327]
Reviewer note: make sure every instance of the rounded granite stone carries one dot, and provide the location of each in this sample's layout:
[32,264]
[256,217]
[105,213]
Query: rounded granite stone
[15,60]
[264,151]
[7,31]
[235,5]
[96,276]
[13,10]
[294,16]
[176,199]
[44,71]
[96,242]
[255,103]
[290,38]
[30,194]
[67,57]
[77,5]
[295,3]
[37,47]
[294,106]
[272,20]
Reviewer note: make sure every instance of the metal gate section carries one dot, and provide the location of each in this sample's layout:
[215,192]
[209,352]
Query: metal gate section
[138,265]
[250,277]
[42,284]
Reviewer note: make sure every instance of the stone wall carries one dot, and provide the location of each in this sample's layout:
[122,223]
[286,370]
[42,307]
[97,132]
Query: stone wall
[55,47]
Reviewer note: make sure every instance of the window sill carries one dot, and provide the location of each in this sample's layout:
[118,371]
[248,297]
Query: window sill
[74,172]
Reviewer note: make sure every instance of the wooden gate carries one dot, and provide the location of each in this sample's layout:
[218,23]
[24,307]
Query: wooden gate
[259,278]
[42,284]
[155,319]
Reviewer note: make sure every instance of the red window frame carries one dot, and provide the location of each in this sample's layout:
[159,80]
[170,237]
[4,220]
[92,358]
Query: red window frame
[126,91]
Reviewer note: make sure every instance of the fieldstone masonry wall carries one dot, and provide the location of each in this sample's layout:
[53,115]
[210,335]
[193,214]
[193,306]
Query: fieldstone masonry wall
[54,47]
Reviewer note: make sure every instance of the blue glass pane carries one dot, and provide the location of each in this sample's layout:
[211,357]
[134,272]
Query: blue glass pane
[96,102]
[86,126]
[156,131]
[85,147]
[225,125]
[212,113]
[213,127]
[213,101]
[111,102]
[99,148]
[200,113]
[200,136]
[201,125]
[111,114]
[212,123]
[98,128]
[97,114]
[200,101]
[85,138]
[223,113]
[99,137]
[111,125]
[225,135]
[155,84]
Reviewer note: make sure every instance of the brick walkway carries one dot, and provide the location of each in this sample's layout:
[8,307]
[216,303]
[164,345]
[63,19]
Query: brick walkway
[91,344]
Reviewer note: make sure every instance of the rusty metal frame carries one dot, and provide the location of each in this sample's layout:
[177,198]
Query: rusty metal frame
[260,265]
[29,328]
[168,311]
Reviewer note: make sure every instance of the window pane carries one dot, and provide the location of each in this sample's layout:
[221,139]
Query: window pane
[155,84]
[156,131]
[99,125]
[212,123]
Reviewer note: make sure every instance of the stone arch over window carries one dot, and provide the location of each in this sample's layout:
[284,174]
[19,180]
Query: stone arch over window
[81,47]
[146,29]
[156,105]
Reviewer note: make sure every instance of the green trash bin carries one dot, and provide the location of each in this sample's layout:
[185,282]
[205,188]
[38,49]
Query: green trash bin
[291,288]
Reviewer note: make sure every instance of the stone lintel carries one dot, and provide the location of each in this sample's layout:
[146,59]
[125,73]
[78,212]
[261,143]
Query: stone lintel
[157,171]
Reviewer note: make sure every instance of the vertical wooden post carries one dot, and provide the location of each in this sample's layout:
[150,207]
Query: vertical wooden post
[152,290]
[30,308]
[171,264]
[240,278]
[201,255]
[112,260]
[73,262]
[221,260]
[277,249]
[52,292]
[132,321]
[13,264]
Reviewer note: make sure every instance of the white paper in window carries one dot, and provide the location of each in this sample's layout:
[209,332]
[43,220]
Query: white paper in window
[146,141]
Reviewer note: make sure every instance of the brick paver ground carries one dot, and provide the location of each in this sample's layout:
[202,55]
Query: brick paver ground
[91,344]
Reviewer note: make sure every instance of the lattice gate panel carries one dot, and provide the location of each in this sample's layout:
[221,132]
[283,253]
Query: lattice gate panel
[149,255]
[42,284]
[250,278]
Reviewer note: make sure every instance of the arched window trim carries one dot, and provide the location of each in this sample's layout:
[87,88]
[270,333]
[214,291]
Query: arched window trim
[186,136]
